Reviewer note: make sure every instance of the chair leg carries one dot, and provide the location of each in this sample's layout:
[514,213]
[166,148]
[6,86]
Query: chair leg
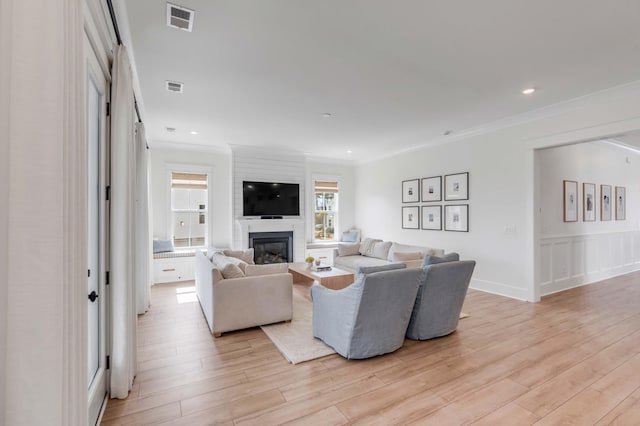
[217,334]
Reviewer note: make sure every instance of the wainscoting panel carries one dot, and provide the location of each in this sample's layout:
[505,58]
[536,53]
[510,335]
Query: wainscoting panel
[571,261]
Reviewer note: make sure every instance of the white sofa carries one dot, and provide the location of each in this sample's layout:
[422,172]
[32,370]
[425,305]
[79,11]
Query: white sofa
[235,303]
[372,252]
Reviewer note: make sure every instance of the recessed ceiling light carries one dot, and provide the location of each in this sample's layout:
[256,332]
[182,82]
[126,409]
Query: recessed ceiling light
[193,132]
[528,90]
[170,129]
[326,115]
[349,151]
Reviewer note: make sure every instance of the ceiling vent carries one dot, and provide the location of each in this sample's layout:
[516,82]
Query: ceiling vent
[179,17]
[174,86]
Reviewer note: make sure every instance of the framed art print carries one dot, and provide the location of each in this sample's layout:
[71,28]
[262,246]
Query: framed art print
[432,218]
[588,202]
[456,187]
[456,217]
[411,191]
[605,202]
[432,189]
[570,201]
[410,217]
[621,203]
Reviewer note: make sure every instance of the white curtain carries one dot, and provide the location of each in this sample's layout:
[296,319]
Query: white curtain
[123,178]
[143,234]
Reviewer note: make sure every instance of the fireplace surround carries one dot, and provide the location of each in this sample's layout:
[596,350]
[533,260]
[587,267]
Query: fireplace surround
[272,247]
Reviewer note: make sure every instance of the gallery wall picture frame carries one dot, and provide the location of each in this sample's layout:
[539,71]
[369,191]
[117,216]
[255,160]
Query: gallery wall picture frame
[411,191]
[605,202]
[570,200]
[456,217]
[456,187]
[431,218]
[432,189]
[411,217]
[588,202]
[621,203]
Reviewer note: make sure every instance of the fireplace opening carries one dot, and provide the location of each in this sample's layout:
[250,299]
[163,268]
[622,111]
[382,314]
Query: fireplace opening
[271,247]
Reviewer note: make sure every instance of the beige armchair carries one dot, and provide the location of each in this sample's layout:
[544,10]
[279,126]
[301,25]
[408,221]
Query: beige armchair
[237,303]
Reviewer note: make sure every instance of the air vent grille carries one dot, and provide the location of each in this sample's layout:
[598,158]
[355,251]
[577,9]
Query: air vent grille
[174,86]
[179,17]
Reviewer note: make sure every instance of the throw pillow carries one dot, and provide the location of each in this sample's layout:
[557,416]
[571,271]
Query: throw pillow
[401,256]
[349,249]
[363,270]
[217,275]
[366,246]
[231,271]
[381,250]
[349,237]
[273,268]
[245,255]
[162,246]
[432,260]
[220,261]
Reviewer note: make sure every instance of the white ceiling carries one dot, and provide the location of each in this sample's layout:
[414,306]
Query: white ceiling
[392,74]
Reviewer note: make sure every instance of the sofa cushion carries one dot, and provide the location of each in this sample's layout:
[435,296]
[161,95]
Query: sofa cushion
[401,256]
[231,271]
[349,236]
[162,246]
[349,249]
[381,249]
[371,269]
[244,255]
[351,263]
[367,245]
[273,268]
[404,248]
[220,261]
[217,275]
[432,260]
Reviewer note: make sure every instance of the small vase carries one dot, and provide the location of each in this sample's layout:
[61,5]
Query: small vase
[309,264]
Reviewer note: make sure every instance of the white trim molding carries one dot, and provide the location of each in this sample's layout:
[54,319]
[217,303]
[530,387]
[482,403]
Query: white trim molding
[575,260]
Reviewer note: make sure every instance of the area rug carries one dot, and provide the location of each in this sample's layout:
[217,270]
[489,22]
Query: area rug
[295,339]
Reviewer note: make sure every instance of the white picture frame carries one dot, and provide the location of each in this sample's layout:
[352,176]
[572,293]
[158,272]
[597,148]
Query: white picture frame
[411,217]
[570,200]
[456,187]
[621,203]
[431,189]
[588,202]
[456,217]
[431,218]
[411,191]
[605,202]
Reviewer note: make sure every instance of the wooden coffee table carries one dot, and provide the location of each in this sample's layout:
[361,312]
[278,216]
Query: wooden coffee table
[335,278]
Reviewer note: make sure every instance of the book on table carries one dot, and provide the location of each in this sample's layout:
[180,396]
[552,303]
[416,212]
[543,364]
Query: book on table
[321,267]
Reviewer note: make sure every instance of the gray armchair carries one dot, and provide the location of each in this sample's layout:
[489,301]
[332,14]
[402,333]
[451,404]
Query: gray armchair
[443,287]
[369,317]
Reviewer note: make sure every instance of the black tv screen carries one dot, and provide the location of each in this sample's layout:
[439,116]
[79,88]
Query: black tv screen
[270,199]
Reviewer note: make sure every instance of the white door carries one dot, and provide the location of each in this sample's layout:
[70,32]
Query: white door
[97,241]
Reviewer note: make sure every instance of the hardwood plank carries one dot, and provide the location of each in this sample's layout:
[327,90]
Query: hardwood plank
[572,358]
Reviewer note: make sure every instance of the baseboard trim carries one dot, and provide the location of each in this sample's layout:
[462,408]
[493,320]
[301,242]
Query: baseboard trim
[499,288]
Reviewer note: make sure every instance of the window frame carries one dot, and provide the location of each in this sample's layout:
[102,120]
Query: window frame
[336,227]
[188,168]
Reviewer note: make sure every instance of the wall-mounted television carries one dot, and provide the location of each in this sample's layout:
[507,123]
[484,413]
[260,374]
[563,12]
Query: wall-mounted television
[270,199]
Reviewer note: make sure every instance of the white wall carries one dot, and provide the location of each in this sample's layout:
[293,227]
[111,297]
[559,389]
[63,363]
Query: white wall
[346,200]
[501,166]
[219,211]
[575,253]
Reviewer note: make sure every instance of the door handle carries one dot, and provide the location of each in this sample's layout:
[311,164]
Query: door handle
[93,296]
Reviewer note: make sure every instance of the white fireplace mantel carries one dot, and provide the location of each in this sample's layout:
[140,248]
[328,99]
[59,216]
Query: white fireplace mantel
[246,226]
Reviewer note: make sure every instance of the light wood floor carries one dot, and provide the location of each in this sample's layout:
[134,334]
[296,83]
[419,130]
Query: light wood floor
[572,359]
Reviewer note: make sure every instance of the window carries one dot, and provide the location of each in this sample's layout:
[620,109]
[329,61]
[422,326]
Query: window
[189,209]
[326,210]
